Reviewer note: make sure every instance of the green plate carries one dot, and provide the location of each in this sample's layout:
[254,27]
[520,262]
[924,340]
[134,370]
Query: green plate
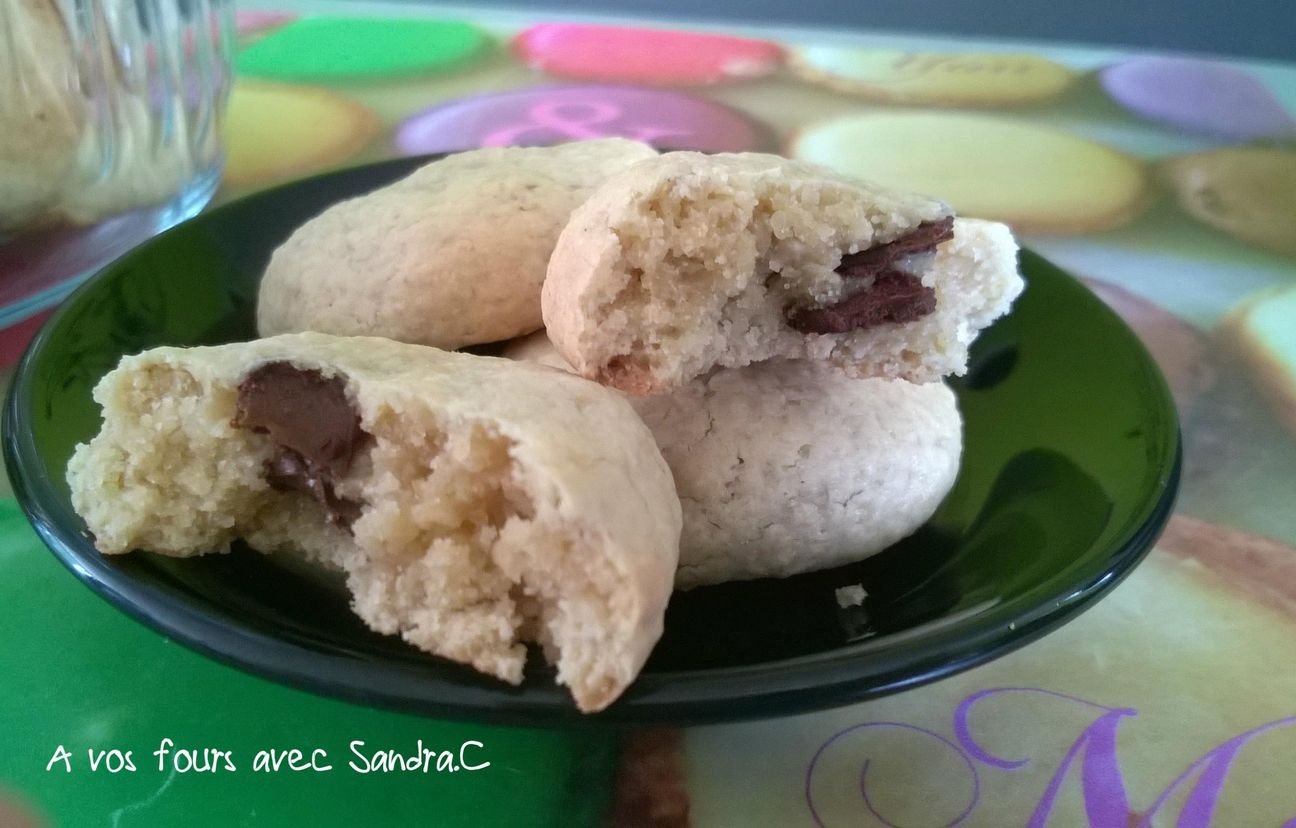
[1069,473]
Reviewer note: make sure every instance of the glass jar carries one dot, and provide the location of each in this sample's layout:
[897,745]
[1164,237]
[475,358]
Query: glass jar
[109,131]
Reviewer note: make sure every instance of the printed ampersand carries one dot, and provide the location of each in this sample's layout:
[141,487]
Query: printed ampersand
[576,120]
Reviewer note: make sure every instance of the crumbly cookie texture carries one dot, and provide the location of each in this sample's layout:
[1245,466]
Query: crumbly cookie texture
[686,262]
[451,255]
[790,466]
[497,503]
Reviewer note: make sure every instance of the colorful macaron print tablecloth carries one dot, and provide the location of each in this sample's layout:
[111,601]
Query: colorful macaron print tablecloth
[1167,183]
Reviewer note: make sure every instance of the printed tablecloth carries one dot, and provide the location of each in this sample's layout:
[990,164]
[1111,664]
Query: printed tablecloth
[1168,183]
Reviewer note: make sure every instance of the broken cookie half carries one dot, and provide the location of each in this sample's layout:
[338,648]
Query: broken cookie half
[475,504]
[685,262]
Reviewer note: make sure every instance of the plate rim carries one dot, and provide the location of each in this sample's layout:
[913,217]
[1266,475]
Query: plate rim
[787,686]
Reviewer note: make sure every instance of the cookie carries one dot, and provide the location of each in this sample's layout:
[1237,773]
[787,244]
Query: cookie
[1202,96]
[358,48]
[149,167]
[933,78]
[140,155]
[473,503]
[1247,192]
[451,255]
[687,262]
[786,466]
[40,116]
[1262,331]
[1037,179]
[273,131]
[543,115]
[622,54]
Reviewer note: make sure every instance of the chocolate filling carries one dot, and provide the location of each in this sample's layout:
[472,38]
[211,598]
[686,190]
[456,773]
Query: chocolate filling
[316,432]
[922,239]
[895,296]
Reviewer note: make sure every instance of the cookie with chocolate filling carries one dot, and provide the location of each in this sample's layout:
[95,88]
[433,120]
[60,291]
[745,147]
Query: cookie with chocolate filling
[790,466]
[686,262]
[474,504]
[451,255]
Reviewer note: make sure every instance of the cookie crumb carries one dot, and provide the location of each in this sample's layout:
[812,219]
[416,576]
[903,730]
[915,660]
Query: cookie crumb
[850,596]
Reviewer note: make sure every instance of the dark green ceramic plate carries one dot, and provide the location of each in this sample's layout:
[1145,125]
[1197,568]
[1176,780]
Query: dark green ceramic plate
[1070,470]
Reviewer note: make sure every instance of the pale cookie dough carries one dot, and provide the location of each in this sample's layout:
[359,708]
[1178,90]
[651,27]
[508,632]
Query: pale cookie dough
[41,112]
[789,466]
[687,262]
[452,255]
[474,503]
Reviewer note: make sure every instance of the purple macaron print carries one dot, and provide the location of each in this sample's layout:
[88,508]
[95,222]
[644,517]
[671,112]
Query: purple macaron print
[1196,95]
[553,114]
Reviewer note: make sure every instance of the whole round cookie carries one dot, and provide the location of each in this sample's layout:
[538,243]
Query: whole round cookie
[351,48]
[785,467]
[474,504]
[1204,96]
[650,56]
[453,254]
[1037,179]
[544,115]
[934,78]
[1247,192]
[274,131]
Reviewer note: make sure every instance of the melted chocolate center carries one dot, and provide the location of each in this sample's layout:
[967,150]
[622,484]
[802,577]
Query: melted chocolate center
[315,430]
[895,296]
